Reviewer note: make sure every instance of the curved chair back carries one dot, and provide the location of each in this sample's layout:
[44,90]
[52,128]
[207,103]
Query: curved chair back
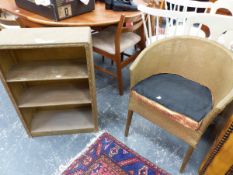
[220,27]
[169,22]
[222,4]
[187,5]
[197,59]
[164,21]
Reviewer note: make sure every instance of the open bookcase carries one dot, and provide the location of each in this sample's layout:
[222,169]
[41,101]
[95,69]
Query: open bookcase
[48,74]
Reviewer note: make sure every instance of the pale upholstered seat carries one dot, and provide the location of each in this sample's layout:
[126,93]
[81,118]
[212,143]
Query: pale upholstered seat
[113,42]
[105,40]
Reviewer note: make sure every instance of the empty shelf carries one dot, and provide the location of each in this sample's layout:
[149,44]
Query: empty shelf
[46,122]
[54,95]
[47,70]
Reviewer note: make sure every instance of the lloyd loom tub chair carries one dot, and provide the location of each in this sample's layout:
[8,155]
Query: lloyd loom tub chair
[181,84]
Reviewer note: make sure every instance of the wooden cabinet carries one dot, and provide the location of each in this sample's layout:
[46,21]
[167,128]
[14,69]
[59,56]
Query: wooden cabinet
[219,160]
[48,74]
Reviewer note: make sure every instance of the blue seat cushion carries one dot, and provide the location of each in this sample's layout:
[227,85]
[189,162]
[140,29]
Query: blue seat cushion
[177,94]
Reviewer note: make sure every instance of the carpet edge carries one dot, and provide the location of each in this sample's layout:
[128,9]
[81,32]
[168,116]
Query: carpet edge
[64,166]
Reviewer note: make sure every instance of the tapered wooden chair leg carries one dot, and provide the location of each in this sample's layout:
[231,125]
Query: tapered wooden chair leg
[186,158]
[129,119]
[119,78]
[122,56]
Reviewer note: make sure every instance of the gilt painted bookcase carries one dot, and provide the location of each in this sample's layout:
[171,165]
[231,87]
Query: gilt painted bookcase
[49,76]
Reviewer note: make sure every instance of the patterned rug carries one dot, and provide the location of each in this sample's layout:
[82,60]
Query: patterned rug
[108,156]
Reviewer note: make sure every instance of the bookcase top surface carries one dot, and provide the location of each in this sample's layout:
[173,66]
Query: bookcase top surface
[44,37]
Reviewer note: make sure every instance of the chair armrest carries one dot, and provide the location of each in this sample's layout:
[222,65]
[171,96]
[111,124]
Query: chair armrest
[225,101]
[209,119]
[217,109]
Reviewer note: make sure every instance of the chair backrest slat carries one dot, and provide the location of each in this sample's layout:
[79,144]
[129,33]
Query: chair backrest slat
[172,18]
[190,3]
[132,27]
[144,26]
[131,24]
[164,20]
[149,26]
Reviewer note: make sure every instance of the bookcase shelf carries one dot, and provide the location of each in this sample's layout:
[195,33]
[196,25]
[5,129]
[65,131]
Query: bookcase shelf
[54,95]
[45,122]
[52,83]
[47,70]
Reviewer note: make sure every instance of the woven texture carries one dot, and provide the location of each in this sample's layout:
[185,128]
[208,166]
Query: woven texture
[108,156]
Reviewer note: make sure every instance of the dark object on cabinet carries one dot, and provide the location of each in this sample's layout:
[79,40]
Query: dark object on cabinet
[120,5]
[58,9]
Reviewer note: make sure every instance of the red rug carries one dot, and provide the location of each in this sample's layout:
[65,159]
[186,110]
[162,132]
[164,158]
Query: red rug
[108,156]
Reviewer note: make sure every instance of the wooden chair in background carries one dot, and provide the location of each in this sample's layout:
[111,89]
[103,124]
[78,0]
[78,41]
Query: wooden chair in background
[112,43]
[161,29]
[224,7]
[188,5]
[200,60]
[158,4]
[220,27]
[171,20]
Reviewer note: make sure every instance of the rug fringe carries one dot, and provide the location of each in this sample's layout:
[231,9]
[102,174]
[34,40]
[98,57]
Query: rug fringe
[63,167]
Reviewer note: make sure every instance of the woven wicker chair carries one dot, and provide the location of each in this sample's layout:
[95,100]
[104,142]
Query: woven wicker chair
[199,60]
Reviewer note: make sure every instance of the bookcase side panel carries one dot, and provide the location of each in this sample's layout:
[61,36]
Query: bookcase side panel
[6,61]
[91,74]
